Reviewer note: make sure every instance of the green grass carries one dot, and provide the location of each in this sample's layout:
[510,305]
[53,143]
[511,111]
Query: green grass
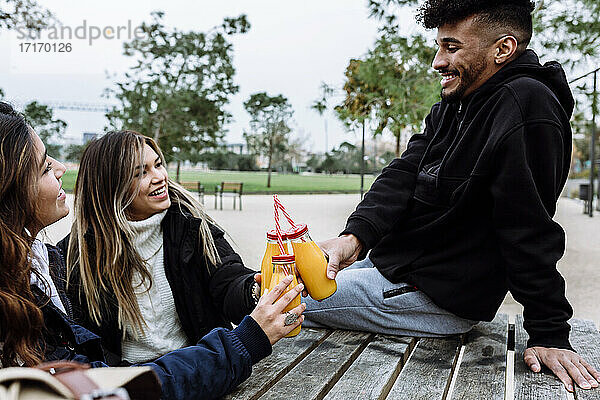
[256,182]
[68,180]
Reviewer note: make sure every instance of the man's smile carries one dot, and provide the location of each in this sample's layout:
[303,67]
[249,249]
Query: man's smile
[448,78]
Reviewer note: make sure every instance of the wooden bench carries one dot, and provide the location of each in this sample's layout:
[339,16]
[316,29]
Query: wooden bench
[231,189]
[486,363]
[194,186]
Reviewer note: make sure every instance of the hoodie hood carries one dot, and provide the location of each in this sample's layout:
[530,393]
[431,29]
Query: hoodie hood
[528,64]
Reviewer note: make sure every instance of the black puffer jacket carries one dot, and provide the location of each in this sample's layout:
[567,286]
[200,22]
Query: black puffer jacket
[466,213]
[206,296]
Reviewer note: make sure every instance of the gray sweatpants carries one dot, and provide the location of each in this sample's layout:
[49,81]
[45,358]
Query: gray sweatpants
[366,301]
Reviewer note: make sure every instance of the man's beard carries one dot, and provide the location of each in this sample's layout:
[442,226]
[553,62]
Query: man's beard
[467,78]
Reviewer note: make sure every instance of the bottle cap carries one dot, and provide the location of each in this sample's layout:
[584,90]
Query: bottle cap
[298,231]
[284,258]
[272,235]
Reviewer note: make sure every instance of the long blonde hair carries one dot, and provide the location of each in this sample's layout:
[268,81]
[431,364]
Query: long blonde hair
[107,263]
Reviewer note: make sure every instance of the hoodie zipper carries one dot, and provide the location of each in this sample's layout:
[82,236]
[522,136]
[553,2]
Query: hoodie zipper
[431,170]
[461,118]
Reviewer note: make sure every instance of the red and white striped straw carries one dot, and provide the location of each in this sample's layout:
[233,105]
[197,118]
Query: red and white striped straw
[282,208]
[278,227]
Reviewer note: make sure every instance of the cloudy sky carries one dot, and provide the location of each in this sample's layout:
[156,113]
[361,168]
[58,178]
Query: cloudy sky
[291,48]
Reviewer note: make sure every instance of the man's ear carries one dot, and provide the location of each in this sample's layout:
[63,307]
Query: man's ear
[506,47]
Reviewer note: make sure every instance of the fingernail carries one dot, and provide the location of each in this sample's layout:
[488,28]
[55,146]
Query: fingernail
[300,287]
[594,383]
[585,385]
[330,275]
[570,388]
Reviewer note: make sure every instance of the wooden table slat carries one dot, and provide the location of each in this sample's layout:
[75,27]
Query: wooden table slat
[316,374]
[528,384]
[375,369]
[481,373]
[345,365]
[428,370]
[585,338]
[287,353]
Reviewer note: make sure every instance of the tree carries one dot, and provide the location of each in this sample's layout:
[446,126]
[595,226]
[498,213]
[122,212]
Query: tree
[74,152]
[575,22]
[320,106]
[356,107]
[398,81]
[346,158]
[349,156]
[49,128]
[227,160]
[179,87]
[314,163]
[331,164]
[246,162]
[24,13]
[221,160]
[269,124]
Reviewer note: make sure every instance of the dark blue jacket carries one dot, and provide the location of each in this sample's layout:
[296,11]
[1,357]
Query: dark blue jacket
[219,362]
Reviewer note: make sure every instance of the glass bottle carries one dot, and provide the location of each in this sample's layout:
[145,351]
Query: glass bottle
[266,266]
[311,264]
[284,265]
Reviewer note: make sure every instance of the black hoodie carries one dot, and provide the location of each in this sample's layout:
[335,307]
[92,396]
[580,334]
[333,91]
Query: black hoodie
[466,213]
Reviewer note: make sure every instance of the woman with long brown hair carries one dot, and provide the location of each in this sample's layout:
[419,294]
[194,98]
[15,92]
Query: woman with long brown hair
[149,270]
[36,319]
[22,174]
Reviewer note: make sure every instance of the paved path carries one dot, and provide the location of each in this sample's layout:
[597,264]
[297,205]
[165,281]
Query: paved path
[326,216]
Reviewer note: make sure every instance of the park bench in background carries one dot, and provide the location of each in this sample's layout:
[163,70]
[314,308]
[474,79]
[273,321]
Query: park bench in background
[229,189]
[191,186]
[486,363]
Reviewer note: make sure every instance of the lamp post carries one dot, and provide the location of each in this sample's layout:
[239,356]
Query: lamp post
[593,141]
[593,150]
[326,139]
[594,112]
[362,162]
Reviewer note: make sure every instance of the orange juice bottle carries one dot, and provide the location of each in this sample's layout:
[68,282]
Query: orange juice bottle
[311,264]
[283,265]
[266,268]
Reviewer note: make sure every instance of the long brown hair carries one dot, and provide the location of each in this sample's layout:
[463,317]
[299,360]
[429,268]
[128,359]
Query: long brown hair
[21,319]
[107,263]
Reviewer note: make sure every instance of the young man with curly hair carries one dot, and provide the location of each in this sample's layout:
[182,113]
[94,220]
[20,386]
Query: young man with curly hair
[465,214]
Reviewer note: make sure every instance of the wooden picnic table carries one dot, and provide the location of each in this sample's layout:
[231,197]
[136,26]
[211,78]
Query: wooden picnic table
[486,363]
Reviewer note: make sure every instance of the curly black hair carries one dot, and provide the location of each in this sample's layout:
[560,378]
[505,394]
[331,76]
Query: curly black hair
[512,14]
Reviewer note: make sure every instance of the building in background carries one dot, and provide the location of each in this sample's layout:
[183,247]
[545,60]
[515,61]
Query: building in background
[87,136]
[239,148]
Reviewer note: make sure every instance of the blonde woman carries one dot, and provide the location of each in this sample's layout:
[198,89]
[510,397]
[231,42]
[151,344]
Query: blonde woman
[36,318]
[148,269]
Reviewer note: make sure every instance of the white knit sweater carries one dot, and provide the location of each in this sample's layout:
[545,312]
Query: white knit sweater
[163,331]
[41,262]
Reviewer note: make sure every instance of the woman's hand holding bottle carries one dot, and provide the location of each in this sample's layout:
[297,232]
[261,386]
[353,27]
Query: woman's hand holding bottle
[269,310]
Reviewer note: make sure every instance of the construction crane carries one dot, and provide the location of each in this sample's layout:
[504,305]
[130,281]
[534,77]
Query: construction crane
[70,106]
